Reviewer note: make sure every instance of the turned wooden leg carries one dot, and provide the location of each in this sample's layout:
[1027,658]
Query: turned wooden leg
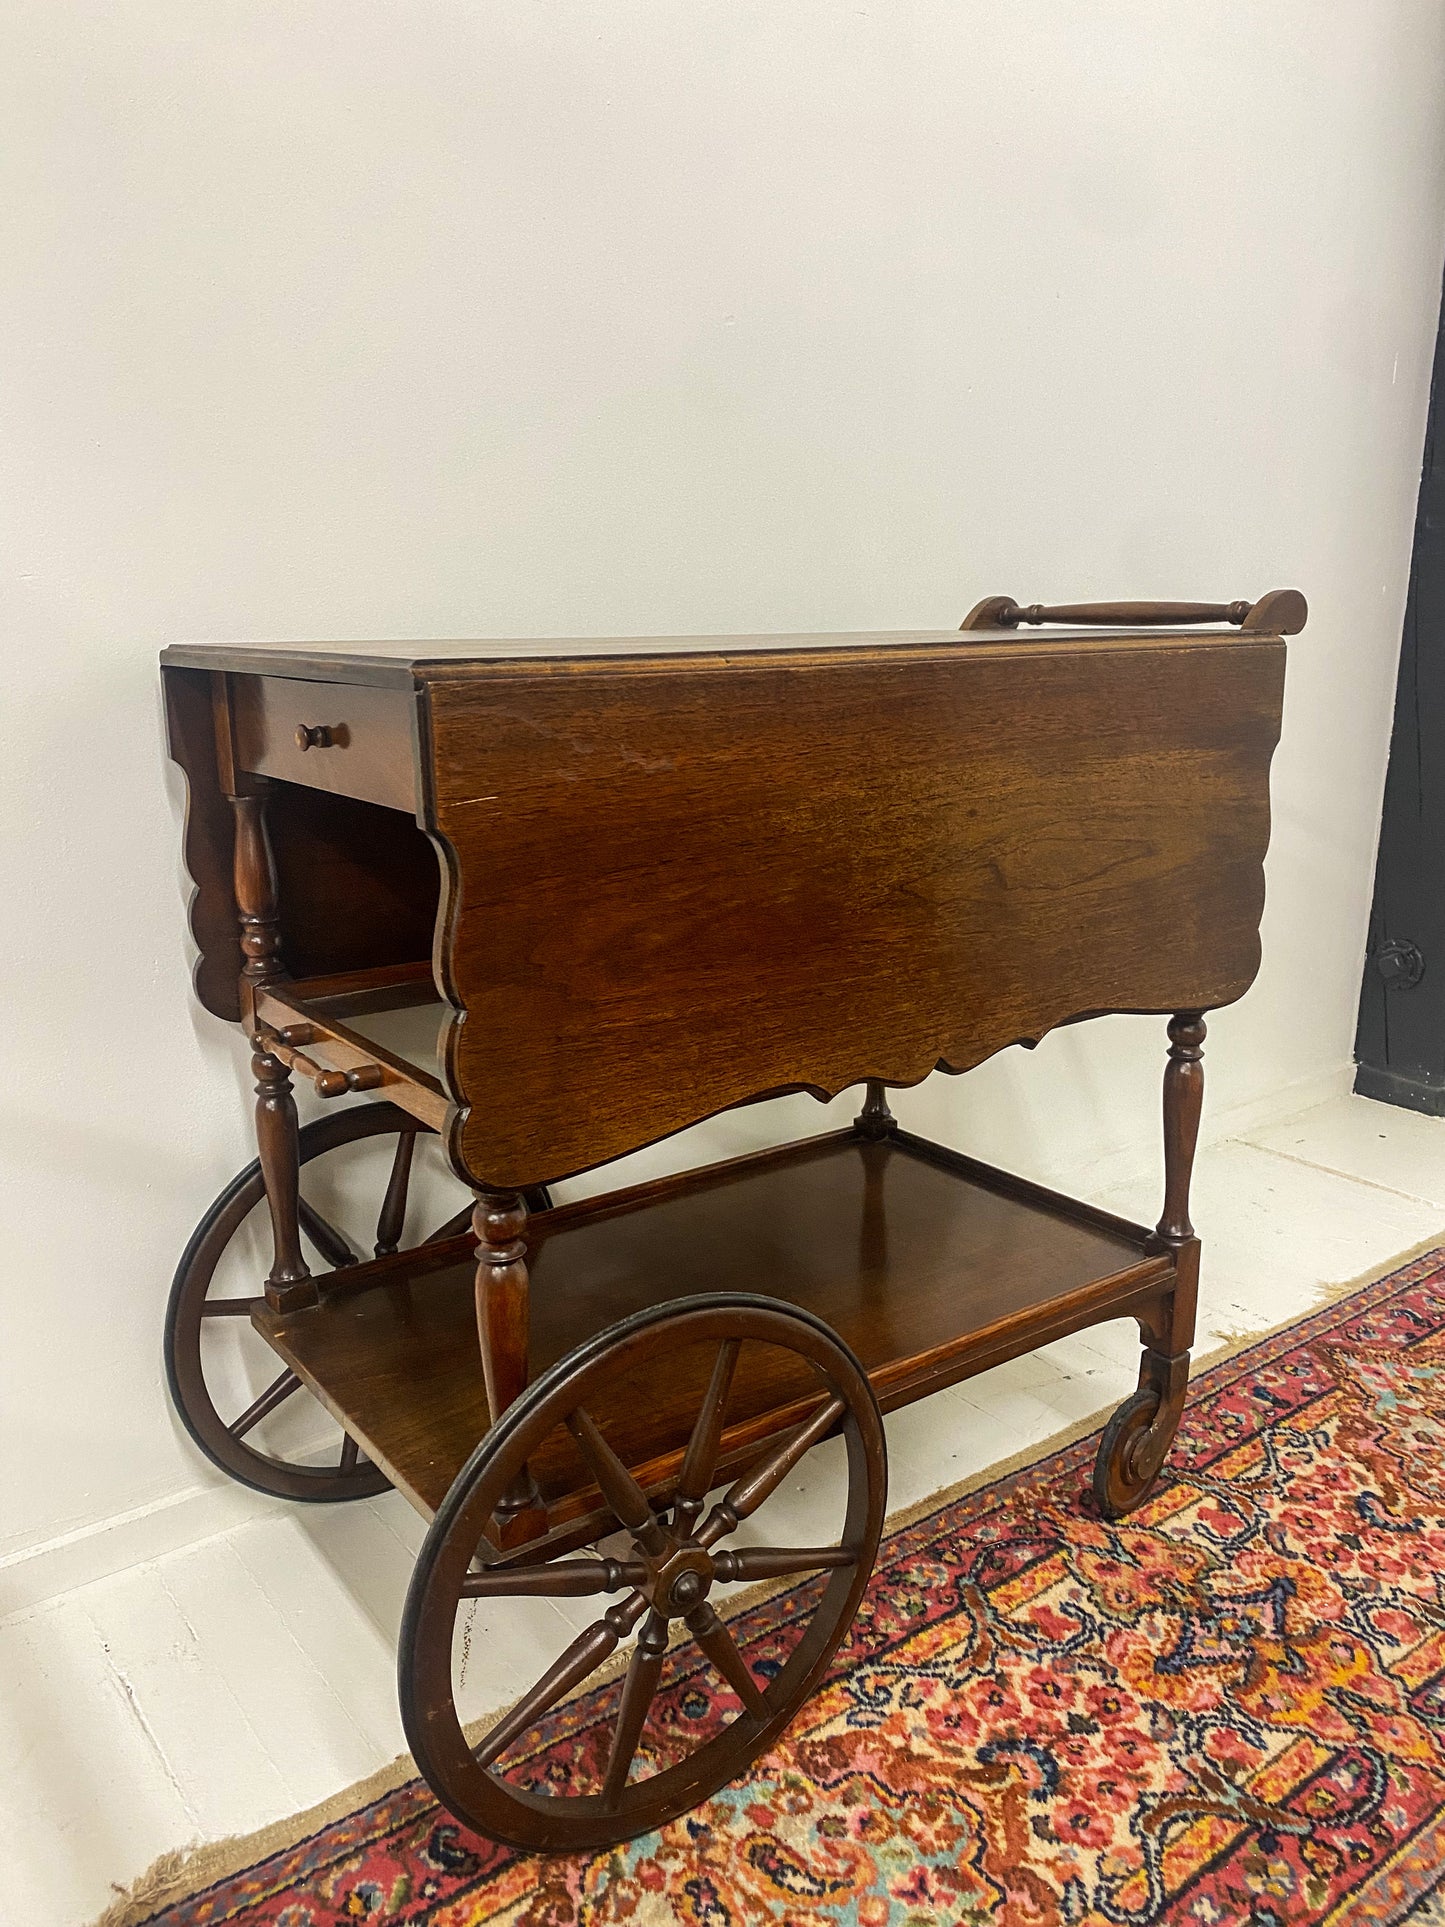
[504,1328]
[289,1284]
[500,1223]
[257,905]
[875,1120]
[874,1126]
[1139,1435]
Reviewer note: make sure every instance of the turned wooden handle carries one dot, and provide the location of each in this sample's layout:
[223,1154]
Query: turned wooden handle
[1282,612]
[282,1044]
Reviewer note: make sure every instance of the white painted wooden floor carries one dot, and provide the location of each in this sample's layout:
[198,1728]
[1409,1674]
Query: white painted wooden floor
[252,1674]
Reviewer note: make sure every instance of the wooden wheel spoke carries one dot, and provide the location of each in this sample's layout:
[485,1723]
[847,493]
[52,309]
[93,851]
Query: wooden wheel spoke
[628,1501]
[334,1247]
[781,1562]
[745,1496]
[453,1228]
[392,1218]
[276,1393]
[595,1408]
[638,1691]
[350,1453]
[569,1669]
[700,1460]
[717,1642]
[563,1579]
[204,1290]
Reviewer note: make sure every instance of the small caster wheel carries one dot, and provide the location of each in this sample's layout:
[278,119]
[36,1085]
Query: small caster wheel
[673,1554]
[1133,1449]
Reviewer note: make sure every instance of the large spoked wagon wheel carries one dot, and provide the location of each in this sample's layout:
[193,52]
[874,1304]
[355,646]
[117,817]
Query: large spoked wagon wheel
[210,1348]
[676,1554]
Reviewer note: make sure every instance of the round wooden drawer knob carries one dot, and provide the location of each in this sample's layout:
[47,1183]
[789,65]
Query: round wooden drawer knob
[314,736]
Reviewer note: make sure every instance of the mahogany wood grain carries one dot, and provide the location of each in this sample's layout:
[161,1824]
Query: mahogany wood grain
[640,882]
[209,841]
[1138,1436]
[406,665]
[667,1572]
[360,992]
[692,880]
[1283,612]
[499,1225]
[502,1295]
[288,1283]
[347,738]
[334,1046]
[1004,613]
[974,1267]
[391,1219]
[254,887]
[1183,1108]
[875,1119]
[358,884]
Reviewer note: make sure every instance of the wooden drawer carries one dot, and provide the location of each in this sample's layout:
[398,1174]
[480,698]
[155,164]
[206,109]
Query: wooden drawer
[349,738]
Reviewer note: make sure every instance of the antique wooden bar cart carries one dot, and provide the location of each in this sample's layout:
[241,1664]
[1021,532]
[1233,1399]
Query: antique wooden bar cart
[555,901]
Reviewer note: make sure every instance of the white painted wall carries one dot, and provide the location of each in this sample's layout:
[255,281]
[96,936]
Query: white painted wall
[347,318]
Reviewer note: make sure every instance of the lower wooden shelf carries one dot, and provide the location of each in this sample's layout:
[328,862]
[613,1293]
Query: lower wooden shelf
[929,1265]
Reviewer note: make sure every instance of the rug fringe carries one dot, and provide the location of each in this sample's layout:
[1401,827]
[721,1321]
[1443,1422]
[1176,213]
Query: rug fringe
[170,1877]
[184,1872]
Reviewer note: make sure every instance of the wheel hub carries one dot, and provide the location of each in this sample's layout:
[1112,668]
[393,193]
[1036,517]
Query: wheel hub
[687,1589]
[680,1580]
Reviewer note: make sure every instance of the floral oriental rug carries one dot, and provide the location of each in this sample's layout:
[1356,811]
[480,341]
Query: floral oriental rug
[1227,1710]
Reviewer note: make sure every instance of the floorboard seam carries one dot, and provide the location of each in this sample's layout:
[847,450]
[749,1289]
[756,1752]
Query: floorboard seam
[306,1659]
[1346,1177]
[225,1687]
[128,1693]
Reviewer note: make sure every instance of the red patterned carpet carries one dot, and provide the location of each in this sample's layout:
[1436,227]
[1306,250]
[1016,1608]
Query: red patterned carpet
[1229,1708]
